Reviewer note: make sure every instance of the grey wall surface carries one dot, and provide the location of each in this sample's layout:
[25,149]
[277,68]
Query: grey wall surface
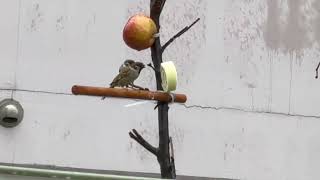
[248,69]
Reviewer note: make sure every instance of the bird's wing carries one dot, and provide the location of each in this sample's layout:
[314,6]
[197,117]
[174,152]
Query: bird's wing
[121,67]
[124,73]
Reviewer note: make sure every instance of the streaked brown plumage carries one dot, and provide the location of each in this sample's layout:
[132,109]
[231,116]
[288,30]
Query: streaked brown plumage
[127,75]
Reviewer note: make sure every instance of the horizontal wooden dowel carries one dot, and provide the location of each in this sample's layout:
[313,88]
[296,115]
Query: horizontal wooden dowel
[127,93]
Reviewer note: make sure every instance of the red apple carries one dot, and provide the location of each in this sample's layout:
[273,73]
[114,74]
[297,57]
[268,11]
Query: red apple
[139,32]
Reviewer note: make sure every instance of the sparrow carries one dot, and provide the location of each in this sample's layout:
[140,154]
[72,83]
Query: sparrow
[128,73]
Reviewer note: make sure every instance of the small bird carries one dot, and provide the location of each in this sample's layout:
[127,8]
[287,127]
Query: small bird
[128,73]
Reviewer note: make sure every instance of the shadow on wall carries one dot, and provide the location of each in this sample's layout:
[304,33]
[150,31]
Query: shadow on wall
[292,25]
[316,5]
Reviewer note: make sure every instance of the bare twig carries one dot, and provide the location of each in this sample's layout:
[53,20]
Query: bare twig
[178,35]
[150,65]
[171,148]
[173,168]
[159,103]
[163,3]
[137,137]
[317,71]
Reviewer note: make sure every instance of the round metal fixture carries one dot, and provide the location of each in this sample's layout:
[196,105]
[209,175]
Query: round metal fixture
[11,113]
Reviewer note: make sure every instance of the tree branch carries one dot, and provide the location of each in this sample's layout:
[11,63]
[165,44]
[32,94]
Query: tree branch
[163,3]
[317,71]
[178,35]
[150,65]
[173,167]
[156,6]
[137,137]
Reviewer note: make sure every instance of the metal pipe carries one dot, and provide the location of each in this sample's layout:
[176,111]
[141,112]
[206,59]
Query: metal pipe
[62,174]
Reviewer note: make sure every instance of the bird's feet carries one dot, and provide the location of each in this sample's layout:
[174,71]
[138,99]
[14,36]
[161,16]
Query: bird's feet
[138,87]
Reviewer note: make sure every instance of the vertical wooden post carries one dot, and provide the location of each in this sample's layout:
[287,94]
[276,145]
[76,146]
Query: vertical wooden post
[163,123]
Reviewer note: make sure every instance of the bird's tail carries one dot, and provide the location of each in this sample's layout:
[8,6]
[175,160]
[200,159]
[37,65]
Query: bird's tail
[112,85]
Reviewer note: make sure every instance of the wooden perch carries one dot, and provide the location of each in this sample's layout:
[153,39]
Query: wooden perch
[128,93]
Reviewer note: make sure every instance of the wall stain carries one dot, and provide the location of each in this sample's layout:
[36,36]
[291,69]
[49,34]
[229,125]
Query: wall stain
[288,26]
[270,84]
[36,17]
[298,31]
[60,23]
[243,22]
[66,134]
[273,33]
[290,87]
[272,30]
[316,5]
[295,34]
[252,99]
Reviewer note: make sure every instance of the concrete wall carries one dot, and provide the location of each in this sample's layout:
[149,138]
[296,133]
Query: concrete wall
[247,67]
